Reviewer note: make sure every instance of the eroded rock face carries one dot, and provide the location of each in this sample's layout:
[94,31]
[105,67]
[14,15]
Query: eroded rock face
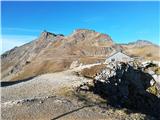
[21,56]
[84,34]
[54,52]
[124,86]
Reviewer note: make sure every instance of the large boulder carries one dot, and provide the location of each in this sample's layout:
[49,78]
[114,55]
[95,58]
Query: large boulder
[124,86]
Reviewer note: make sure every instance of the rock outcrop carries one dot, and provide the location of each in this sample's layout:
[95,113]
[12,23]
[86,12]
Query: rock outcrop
[123,85]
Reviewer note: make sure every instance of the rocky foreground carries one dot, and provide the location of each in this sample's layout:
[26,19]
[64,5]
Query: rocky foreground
[128,85]
[113,92]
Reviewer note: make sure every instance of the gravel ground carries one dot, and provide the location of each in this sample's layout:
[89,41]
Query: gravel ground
[44,85]
[40,99]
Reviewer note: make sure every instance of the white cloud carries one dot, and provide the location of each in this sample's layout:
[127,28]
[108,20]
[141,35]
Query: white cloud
[10,41]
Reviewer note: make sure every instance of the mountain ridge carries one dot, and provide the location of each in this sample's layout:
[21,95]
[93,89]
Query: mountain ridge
[52,52]
[46,34]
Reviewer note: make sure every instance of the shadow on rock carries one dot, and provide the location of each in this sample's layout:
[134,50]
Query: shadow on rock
[128,88]
[9,83]
[70,112]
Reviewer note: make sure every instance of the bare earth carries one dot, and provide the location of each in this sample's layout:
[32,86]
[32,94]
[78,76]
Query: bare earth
[47,97]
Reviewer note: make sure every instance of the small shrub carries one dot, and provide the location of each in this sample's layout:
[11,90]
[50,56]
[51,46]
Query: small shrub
[149,55]
[157,71]
[153,90]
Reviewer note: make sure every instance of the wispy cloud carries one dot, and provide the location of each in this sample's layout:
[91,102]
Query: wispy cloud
[10,41]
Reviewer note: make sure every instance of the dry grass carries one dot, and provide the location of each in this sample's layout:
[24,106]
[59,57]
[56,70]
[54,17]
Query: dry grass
[92,72]
[91,60]
[38,68]
[147,52]
[66,92]
[157,71]
[58,56]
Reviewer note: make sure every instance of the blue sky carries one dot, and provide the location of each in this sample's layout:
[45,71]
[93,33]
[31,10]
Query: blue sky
[123,21]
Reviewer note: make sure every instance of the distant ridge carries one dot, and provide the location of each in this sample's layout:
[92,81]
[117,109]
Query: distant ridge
[141,43]
[52,52]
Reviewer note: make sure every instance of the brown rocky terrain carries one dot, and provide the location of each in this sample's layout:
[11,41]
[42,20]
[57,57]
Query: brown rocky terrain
[65,96]
[53,78]
[144,49]
[55,52]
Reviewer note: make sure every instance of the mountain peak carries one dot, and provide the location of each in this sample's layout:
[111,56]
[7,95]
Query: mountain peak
[49,36]
[52,52]
[83,30]
[141,43]
[88,34]
[46,34]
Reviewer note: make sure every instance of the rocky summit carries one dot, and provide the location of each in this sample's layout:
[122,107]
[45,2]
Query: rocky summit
[55,52]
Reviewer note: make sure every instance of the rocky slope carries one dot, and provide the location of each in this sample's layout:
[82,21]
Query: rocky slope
[140,43]
[144,49]
[54,96]
[55,52]
[130,85]
[52,53]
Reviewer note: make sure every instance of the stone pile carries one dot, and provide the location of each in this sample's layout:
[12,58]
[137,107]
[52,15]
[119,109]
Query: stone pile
[127,85]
